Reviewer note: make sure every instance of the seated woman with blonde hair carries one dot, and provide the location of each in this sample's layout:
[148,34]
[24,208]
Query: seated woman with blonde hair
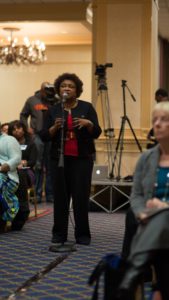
[150,204]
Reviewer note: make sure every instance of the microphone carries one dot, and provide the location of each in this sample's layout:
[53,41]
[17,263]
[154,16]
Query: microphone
[64,97]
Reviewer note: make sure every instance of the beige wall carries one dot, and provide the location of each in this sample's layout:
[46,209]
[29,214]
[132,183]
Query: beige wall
[20,82]
[125,34]
[124,51]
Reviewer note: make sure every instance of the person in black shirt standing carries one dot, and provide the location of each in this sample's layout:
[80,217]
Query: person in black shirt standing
[79,122]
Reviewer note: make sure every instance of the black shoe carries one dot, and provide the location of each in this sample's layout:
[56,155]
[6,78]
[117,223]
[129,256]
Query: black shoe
[83,240]
[16,227]
[125,295]
[2,226]
[57,240]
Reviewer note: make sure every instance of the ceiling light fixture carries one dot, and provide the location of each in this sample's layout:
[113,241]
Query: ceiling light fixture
[89,13]
[27,53]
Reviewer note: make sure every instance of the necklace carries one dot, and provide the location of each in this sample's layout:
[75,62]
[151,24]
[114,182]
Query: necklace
[162,184]
[166,188]
[68,106]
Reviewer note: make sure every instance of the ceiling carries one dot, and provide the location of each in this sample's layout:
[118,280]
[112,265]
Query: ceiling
[40,1]
[164,19]
[67,31]
[52,33]
[66,25]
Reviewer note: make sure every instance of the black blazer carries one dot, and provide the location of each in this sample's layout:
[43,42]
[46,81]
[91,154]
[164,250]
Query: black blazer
[85,139]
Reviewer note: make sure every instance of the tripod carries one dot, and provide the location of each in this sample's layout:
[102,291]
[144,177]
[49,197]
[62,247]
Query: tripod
[120,141]
[106,114]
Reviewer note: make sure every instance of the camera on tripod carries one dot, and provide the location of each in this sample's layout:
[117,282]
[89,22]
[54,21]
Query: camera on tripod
[101,69]
[50,93]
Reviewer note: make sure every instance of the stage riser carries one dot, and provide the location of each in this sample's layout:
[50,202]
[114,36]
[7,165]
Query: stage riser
[104,197]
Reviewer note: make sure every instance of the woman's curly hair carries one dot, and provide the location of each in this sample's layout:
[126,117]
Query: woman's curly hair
[69,76]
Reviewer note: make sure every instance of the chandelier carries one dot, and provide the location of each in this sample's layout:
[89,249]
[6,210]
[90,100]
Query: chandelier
[27,53]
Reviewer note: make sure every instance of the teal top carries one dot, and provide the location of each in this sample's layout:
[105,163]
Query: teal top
[162,184]
[10,153]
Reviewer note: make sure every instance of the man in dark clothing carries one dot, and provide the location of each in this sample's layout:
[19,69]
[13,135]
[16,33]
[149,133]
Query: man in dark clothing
[36,107]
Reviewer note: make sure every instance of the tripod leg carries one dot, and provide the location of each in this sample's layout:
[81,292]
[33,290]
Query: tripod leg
[119,142]
[107,124]
[121,147]
[115,155]
[132,130]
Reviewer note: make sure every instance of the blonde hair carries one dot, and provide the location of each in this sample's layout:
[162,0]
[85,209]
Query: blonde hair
[164,105]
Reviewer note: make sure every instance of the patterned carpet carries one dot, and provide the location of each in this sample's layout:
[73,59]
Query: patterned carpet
[25,255]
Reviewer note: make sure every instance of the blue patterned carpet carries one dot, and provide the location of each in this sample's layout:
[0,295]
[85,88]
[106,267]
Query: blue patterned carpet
[25,254]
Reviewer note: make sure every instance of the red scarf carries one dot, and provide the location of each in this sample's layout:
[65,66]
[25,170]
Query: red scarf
[71,146]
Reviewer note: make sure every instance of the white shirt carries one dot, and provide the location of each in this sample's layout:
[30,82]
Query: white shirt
[10,153]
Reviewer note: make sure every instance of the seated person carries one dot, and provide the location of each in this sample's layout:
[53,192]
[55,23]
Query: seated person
[4,128]
[10,157]
[160,96]
[150,205]
[25,170]
[131,223]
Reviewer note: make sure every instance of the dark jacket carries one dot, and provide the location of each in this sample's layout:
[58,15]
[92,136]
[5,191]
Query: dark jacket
[85,139]
[153,234]
[144,179]
[29,152]
[35,107]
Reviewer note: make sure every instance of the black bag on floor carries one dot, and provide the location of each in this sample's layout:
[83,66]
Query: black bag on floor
[112,267]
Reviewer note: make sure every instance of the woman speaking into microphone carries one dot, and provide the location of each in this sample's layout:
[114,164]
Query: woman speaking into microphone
[71,125]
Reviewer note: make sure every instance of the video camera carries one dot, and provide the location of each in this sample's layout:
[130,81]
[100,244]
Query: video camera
[50,93]
[101,69]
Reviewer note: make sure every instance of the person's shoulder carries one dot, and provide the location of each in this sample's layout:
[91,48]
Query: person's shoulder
[9,138]
[34,97]
[153,150]
[84,103]
[150,152]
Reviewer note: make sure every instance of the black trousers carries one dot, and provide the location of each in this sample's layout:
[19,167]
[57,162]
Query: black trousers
[72,181]
[22,194]
[131,226]
[2,222]
[161,264]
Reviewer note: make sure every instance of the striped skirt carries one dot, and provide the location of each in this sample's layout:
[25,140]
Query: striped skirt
[8,200]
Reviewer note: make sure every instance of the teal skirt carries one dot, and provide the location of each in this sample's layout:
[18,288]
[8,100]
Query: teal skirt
[8,200]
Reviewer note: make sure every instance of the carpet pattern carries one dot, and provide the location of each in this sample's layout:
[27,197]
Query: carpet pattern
[24,254]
